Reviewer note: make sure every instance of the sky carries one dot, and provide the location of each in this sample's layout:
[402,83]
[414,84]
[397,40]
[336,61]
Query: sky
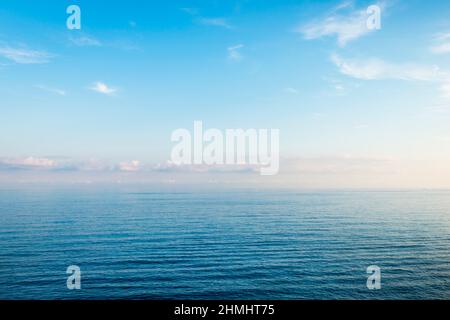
[356,108]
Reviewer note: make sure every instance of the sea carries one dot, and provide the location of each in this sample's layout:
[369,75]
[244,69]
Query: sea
[134,243]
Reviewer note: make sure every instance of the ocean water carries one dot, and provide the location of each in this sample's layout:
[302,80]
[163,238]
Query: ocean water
[223,245]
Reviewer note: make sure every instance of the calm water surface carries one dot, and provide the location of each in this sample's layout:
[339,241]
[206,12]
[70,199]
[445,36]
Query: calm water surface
[224,245]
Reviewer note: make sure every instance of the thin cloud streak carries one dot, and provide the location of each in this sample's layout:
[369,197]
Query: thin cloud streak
[234,52]
[377,69]
[207,21]
[346,27]
[445,90]
[215,22]
[442,44]
[85,41]
[131,166]
[24,55]
[51,90]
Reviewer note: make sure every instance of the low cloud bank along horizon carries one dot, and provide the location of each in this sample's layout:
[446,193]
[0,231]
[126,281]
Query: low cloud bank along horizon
[322,172]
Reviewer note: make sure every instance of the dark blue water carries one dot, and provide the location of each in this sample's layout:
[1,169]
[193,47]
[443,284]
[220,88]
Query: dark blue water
[224,245]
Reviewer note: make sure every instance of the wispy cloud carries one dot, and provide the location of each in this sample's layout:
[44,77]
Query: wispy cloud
[339,87]
[24,55]
[51,89]
[441,44]
[60,164]
[216,22]
[66,164]
[445,90]
[234,52]
[101,87]
[32,163]
[344,22]
[442,36]
[191,11]
[127,44]
[28,162]
[377,69]
[207,21]
[130,166]
[85,41]
[441,109]
[441,49]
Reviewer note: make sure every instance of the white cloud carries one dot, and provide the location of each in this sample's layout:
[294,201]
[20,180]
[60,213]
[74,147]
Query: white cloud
[442,44]
[28,162]
[216,22]
[441,109]
[339,87]
[442,36]
[206,21]
[37,162]
[51,89]
[441,48]
[52,164]
[445,90]
[66,164]
[377,69]
[130,166]
[101,87]
[343,5]
[191,11]
[347,26]
[62,164]
[233,52]
[85,41]
[24,55]
[122,44]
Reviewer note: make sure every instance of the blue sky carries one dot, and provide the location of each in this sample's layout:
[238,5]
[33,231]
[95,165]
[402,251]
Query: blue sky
[354,107]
